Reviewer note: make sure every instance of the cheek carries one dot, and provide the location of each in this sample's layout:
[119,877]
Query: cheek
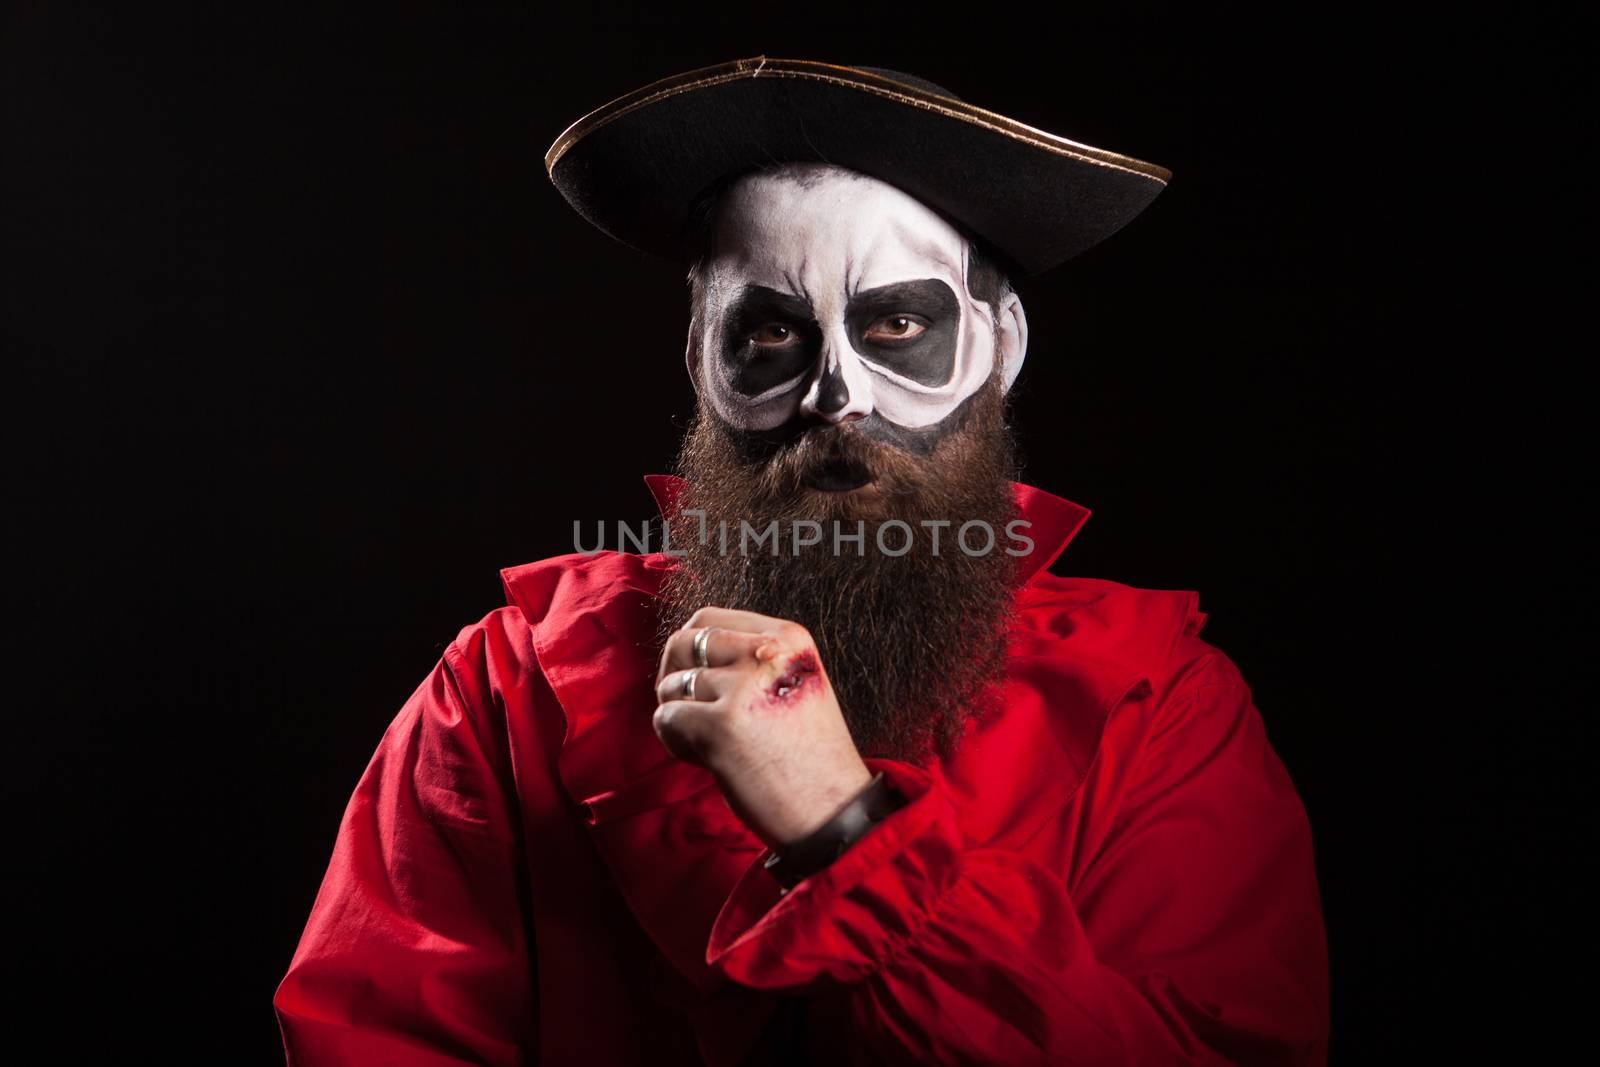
[907,404]
[978,342]
[737,408]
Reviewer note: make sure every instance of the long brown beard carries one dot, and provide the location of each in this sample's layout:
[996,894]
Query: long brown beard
[914,644]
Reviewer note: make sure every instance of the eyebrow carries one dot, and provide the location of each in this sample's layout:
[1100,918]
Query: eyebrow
[929,296]
[759,299]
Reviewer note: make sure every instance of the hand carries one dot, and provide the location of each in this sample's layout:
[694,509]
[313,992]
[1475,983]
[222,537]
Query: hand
[764,721]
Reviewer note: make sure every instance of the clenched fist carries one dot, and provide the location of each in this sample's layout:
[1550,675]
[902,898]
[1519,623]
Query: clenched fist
[762,717]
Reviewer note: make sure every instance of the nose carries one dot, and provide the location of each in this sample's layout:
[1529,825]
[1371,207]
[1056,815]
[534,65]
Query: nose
[839,390]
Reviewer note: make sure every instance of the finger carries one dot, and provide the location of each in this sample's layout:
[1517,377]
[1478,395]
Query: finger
[733,619]
[781,634]
[687,727]
[723,647]
[709,684]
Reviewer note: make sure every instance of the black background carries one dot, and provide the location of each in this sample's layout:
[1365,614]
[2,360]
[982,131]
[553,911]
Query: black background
[305,347]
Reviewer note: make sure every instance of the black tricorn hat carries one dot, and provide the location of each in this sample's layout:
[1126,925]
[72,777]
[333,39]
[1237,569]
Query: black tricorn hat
[635,167]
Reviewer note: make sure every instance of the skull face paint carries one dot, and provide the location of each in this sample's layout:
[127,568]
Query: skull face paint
[831,296]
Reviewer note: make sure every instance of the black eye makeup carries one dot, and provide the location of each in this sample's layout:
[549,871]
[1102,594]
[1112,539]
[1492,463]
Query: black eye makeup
[910,328]
[768,337]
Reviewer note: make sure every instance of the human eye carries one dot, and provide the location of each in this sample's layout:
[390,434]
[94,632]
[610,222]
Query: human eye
[895,329]
[773,335]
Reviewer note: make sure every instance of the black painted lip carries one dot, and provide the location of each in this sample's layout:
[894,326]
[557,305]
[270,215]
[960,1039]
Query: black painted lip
[839,477]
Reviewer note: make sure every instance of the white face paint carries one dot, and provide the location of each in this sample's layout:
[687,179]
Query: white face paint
[832,296]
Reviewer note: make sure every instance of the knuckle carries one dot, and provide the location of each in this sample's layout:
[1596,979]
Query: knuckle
[668,719]
[752,679]
[698,619]
[794,633]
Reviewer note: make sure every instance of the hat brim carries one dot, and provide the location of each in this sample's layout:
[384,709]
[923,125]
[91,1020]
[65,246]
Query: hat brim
[634,167]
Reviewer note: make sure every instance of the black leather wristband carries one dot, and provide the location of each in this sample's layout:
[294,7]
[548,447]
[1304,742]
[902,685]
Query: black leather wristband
[827,843]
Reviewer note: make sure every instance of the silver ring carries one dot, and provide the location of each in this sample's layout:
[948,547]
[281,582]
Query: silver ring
[688,683]
[702,658]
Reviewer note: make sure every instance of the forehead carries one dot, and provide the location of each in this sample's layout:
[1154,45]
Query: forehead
[823,226]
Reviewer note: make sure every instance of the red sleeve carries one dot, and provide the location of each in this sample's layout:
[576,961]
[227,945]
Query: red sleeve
[1194,936]
[415,952]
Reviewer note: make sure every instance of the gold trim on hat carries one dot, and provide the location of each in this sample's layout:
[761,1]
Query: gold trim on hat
[850,77]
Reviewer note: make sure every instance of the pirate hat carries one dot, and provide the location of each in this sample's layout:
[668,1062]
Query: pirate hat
[635,167]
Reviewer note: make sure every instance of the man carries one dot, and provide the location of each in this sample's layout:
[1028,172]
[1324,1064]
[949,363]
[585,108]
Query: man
[845,773]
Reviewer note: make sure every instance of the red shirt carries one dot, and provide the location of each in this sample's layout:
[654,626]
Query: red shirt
[1116,869]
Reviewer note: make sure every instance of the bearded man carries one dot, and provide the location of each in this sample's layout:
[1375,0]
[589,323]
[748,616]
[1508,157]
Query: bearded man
[843,774]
